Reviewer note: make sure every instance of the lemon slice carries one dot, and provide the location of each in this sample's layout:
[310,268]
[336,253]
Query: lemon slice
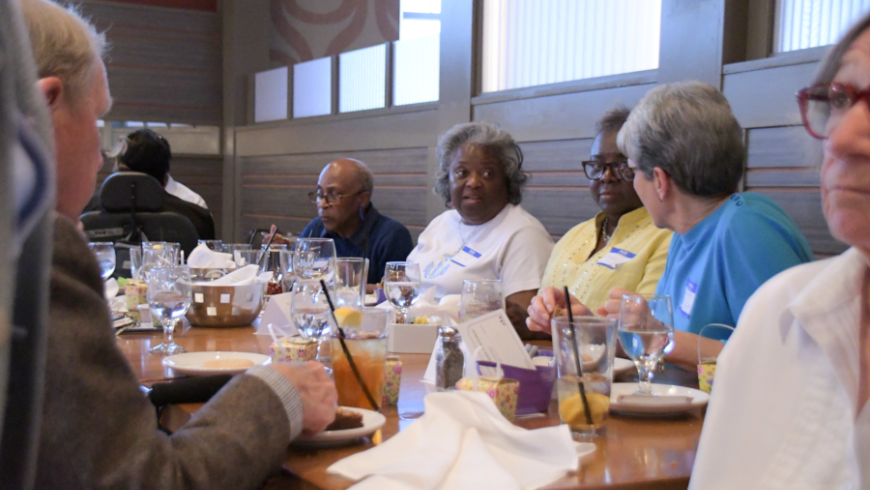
[571,408]
[348,317]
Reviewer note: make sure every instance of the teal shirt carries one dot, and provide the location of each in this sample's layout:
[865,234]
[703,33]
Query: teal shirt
[717,265]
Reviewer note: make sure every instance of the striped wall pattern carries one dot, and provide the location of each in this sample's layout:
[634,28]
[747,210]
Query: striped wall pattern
[164,65]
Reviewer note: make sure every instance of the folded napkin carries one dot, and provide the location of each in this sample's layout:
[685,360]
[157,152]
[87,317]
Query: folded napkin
[427,305]
[463,442]
[203,257]
[243,276]
[111,288]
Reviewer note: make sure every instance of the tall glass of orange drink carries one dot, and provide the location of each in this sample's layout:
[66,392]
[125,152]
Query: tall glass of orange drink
[365,338]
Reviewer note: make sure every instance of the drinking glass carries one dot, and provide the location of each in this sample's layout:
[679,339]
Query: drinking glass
[215,245]
[314,259]
[350,281]
[309,311]
[157,254]
[479,298]
[366,345]
[646,327]
[288,277]
[584,363]
[135,261]
[229,248]
[169,295]
[105,254]
[402,286]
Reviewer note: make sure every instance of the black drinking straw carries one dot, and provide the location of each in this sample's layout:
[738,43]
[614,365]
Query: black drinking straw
[341,338]
[577,359]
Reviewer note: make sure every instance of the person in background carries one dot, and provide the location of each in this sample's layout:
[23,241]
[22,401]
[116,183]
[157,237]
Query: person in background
[346,214]
[791,391]
[97,429]
[686,149]
[485,234]
[621,246]
[145,151]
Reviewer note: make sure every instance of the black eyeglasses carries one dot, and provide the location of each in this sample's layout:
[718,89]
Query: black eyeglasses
[594,169]
[824,105]
[330,197]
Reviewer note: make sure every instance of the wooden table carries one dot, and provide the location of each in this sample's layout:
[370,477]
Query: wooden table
[642,453]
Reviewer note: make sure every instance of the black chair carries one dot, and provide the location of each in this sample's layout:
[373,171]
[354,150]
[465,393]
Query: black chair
[131,203]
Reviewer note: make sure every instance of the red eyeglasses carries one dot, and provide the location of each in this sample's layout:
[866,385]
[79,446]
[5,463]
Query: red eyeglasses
[824,105]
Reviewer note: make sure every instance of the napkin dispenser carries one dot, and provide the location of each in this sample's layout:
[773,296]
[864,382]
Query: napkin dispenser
[536,386]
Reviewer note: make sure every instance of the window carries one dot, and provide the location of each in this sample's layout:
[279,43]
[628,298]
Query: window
[416,67]
[536,42]
[420,18]
[312,88]
[362,79]
[802,24]
[270,95]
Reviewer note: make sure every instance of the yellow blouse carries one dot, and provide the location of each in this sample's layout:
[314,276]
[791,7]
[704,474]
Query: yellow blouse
[570,263]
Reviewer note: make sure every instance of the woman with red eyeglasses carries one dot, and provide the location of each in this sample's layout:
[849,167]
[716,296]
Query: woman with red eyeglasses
[792,387]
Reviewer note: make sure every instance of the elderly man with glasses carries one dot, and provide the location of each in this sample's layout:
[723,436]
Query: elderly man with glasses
[345,214]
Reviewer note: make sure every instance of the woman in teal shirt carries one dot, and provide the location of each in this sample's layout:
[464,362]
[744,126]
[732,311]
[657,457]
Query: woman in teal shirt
[687,150]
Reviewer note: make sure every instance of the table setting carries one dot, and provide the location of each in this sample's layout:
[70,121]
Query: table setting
[398,419]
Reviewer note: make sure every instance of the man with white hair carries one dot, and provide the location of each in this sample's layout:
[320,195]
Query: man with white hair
[97,429]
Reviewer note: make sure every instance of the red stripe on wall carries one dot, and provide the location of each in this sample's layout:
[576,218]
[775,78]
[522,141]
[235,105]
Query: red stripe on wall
[204,5]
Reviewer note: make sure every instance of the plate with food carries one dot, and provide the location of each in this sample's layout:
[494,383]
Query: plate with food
[621,365]
[350,424]
[205,363]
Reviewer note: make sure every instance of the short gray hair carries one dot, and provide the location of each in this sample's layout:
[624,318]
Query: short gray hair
[65,45]
[491,138]
[688,130]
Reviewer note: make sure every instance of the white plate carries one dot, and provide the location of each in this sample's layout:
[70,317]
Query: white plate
[699,399]
[371,299]
[192,362]
[372,421]
[621,365]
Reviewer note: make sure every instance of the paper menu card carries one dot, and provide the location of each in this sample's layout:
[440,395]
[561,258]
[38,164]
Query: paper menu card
[498,339]
[278,314]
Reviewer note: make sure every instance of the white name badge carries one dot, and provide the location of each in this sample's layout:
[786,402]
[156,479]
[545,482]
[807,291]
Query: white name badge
[615,258]
[689,298]
[465,257]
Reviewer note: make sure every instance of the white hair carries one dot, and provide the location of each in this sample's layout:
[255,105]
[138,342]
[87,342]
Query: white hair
[65,45]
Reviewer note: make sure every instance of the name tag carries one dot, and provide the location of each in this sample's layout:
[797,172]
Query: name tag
[465,257]
[689,298]
[615,258]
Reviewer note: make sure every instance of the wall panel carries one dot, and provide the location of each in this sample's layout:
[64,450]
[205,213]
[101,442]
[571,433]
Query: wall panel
[164,64]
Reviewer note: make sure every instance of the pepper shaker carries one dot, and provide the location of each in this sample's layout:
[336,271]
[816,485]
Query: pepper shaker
[449,362]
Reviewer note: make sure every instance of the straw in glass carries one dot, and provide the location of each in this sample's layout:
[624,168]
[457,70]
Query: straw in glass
[577,359]
[341,338]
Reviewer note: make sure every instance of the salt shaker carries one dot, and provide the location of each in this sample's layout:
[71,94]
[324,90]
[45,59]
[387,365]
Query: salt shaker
[449,362]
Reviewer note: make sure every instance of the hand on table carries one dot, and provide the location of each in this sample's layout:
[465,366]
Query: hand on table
[316,390]
[542,307]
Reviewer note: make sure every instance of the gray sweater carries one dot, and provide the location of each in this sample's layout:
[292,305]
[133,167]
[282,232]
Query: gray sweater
[99,431]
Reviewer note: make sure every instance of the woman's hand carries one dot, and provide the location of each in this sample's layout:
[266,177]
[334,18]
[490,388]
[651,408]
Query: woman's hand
[611,306]
[543,307]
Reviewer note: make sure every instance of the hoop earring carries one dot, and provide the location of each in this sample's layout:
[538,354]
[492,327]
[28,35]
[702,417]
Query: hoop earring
[361,215]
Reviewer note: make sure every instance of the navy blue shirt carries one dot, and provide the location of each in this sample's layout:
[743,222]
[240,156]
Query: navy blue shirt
[379,239]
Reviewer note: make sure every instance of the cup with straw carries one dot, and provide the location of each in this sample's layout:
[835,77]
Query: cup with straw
[586,346]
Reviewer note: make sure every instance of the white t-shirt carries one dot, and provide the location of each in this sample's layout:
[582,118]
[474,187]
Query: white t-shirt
[513,247]
[183,192]
[782,413]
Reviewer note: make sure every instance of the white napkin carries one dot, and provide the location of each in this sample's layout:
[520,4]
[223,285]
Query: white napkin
[111,288]
[244,276]
[427,305]
[462,442]
[203,257]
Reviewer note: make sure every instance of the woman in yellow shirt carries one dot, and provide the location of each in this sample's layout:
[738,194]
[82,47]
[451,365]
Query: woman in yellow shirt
[620,247]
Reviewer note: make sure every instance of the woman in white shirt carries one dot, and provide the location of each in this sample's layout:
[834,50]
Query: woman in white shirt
[485,234]
[790,402]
